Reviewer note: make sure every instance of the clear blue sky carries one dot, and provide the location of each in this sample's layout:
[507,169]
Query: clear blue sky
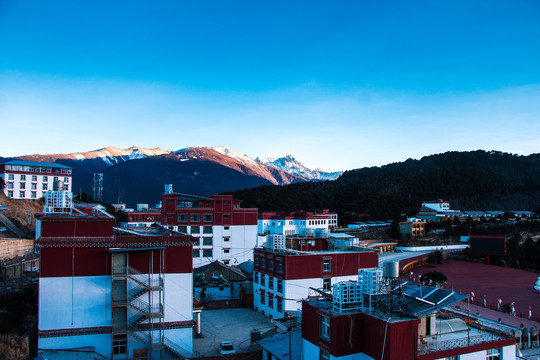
[339,85]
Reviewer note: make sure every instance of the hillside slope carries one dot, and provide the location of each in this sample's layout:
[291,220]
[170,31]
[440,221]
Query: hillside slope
[476,180]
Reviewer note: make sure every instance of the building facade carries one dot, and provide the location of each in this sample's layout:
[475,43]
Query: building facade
[283,277]
[399,323]
[31,180]
[223,230]
[124,297]
[412,228]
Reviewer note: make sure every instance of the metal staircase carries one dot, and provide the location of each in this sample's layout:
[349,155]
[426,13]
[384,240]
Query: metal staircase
[137,301]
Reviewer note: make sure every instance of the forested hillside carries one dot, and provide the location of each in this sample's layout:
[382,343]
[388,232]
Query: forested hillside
[476,180]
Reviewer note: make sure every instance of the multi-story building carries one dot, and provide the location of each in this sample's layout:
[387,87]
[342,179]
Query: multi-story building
[124,297]
[437,205]
[283,277]
[31,180]
[378,318]
[223,230]
[316,223]
[412,228]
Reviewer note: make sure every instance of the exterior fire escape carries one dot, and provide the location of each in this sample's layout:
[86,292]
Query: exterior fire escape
[137,306]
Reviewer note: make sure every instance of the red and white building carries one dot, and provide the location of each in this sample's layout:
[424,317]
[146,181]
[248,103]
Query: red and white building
[123,296]
[316,223]
[223,230]
[398,322]
[31,180]
[283,277]
[139,218]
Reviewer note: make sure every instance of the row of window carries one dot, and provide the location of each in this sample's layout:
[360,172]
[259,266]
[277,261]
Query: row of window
[37,169]
[259,278]
[270,302]
[205,253]
[34,178]
[196,229]
[22,194]
[22,185]
[261,262]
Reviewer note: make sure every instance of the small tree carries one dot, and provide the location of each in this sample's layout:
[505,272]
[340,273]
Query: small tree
[436,278]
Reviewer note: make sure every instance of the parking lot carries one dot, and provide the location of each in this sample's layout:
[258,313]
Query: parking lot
[234,325]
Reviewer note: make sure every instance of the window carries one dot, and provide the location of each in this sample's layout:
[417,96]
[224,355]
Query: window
[33,195]
[227,216]
[280,285]
[226,251]
[207,218]
[226,202]
[10,185]
[263,278]
[45,178]
[44,186]
[279,305]
[195,217]
[182,217]
[226,228]
[207,229]
[279,266]
[21,194]
[170,201]
[327,284]
[10,194]
[226,262]
[55,178]
[270,264]
[493,354]
[326,266]
[263,262]
[23,177]
[34,178]
[11,177]
[262,297]
[182,229]
[270,301]
[271,283]
[34,186]
[196,253]
[207,253]
[255,277]
[207,241]
[66,179]
[119,344]
[256,260]
[324,327]
[226,239]
[195,230]
[324,355]
[23,185]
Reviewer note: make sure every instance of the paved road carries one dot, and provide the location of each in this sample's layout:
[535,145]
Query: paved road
[229,324]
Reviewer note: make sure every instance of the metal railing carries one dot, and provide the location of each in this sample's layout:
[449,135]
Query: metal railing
[175,348]
[436,346]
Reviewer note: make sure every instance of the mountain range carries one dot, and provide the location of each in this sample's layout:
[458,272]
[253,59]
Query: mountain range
[137,175]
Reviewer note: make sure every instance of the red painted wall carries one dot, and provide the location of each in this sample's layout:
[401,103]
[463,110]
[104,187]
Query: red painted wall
[76,227]
[311,265]
[359,332]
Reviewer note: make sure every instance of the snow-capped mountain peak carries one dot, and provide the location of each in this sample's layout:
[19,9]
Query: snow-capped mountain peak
[292,166]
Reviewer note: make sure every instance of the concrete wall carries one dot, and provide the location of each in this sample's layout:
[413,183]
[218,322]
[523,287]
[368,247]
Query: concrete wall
[10,248]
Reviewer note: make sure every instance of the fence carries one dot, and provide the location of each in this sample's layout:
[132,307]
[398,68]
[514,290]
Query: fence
[494,307]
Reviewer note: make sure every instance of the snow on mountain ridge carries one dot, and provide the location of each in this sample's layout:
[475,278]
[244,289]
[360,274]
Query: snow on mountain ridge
[292,166]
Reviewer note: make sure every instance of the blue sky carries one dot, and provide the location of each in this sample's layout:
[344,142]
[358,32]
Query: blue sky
[338,85]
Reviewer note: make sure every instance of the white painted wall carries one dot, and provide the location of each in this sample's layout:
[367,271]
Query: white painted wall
[293,292]
[311,352]
[178,297]
[83,301]
[102,343]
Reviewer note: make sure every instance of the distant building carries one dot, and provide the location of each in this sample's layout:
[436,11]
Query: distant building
[437,205]
[316,223]
[223,230]
[412,228]
[219,284]
[31,180]
[139,218]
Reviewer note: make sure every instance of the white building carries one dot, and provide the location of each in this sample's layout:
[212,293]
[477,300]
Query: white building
[31,180]
[317,223]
